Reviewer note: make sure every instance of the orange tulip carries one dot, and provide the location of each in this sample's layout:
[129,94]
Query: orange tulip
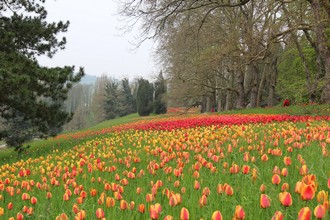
[80,200]
[206,191]
[303,170]
[149,197]
[141,208]
[138,190]
[229,190]
[219,188]
[66,197]
[285,187]
[202,201]
[30,211]
[264,201]
[154,214]
[307,192]
[322,196]
[285,199]
[123,204]
[264,158]
[168,217]
[278,216]
[304,214]
[284,171]
[262,188]
[2,211]
[173,201]
[239,213]
[158,207]
[81,215]
[62,216]
[276,179]
[99,213]
[49,195]
[75,208]
[287,161]
[216,215]
[184,214]
[197,185]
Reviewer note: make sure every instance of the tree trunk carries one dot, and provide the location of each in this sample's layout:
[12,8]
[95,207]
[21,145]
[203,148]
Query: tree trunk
[272,83]
[219,101]
[241,91]
[254,89]
[261,87]
[321,41]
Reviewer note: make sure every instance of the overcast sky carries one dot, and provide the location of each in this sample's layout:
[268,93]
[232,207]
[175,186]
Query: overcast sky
[95,42]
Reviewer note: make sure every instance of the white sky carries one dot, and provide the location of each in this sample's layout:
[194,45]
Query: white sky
[95,42]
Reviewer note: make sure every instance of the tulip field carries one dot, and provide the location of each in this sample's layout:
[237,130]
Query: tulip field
[207,167]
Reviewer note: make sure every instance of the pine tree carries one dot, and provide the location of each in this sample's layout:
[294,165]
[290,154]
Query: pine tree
[112,104]
[130,102]
[160,92]
[31,97]
[144,97]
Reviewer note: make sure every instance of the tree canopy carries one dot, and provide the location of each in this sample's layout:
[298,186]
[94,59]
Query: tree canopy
[31,96]
[226,54]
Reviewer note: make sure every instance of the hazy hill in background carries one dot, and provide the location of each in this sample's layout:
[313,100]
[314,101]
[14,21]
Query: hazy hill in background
[88,79]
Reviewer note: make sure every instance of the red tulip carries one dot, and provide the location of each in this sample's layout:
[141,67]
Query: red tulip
[276,179]
[264,157]
[304,214]
[34,200]
[184,214]
[99,213]
[25,196]
[246,169]
[278,216]
[216,215]
[229,190]
[10,206]
[319,211]
[307,192]
[264,201]
[49,195]
[239,213]
[75,208]
[30,211]
[19,216]
[285,199]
